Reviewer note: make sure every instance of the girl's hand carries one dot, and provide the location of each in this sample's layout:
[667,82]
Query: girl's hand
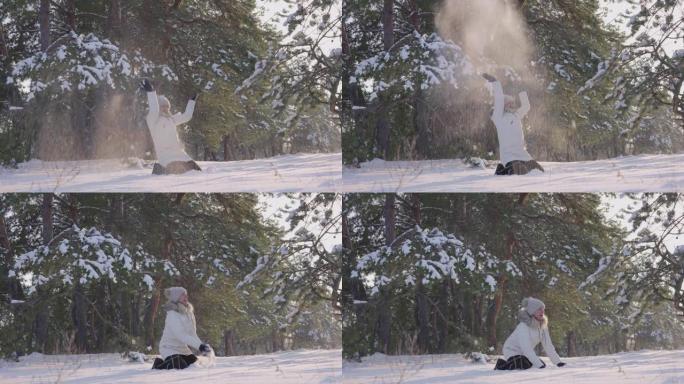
[489,77]
[146,85]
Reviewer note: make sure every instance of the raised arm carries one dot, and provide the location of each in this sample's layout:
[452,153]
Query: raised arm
[153,103]
[498,99]
[182,118]
[524,105]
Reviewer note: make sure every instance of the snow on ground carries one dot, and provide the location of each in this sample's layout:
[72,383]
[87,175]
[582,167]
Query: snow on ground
[643,367]
[320,172]
[643,173]
[301,366]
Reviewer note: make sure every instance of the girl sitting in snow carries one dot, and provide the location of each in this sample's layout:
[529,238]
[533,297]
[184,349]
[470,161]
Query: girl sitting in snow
[518,349]
[508,122]
[162,124]
[179,333]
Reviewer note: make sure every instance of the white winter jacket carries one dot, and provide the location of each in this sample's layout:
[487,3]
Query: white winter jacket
[509,126]
[167,144]
[179,332]
[525,337]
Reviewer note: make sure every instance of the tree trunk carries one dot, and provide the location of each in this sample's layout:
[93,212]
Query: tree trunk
[229,342]
[12,285]
[422,314]
[384,313]
[422,311]
[423,145]
[501,281]
[46,214]
[114,20]
[44,24]
[571,343]
[151,316]
[79,317]
[226,154]
[388,24]
[4,51]
[352,286]
[389,216]
[134,319]
[443,331]
[79,305]
[40,322]
[383,127]
[70,18]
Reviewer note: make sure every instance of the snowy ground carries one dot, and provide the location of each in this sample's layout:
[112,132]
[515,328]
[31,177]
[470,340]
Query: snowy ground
[643,367]
[643,173]
[288,173]
[302,366]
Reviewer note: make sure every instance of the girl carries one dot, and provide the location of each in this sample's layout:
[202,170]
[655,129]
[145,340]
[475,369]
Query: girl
[162,124]
[533,329]
[508,122]
[179,332]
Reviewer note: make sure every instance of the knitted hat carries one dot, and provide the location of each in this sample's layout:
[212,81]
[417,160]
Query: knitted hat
[532,305]
[173,294]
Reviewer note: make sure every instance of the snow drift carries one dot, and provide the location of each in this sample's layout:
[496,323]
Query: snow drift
[302,366]
[653,367]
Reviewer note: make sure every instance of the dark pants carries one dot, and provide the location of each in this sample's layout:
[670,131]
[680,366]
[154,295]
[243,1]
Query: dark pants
[175,168]
[517,167]
[513,362]
[174,362]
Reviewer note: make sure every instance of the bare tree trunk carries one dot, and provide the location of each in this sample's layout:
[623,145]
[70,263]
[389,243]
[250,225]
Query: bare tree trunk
[71,14]
[151,315]
[114,20]
[46,214]
[134,316]
[571,343]
[422,316]
[44,22]
[229,342]
[388,24]
[78,316]
[389,214]
[226,154]
[3,42]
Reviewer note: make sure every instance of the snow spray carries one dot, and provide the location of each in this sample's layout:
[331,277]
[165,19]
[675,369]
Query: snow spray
[495,37]
[491,29]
